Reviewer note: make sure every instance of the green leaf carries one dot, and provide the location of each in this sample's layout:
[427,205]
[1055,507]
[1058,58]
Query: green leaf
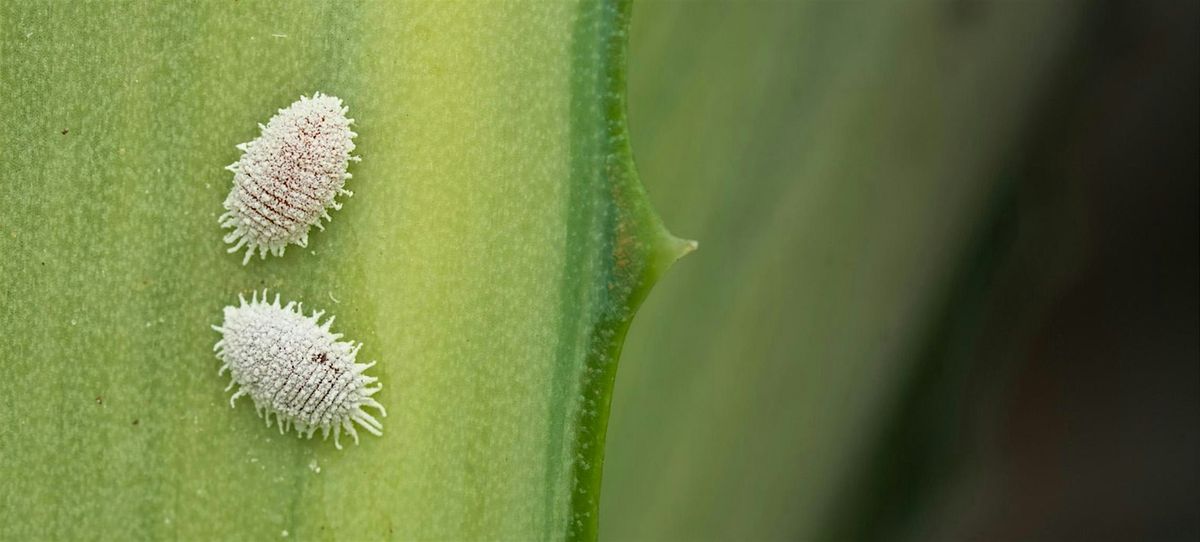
[494,252]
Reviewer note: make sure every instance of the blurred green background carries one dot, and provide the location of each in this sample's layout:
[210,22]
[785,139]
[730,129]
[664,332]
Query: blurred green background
[946,285]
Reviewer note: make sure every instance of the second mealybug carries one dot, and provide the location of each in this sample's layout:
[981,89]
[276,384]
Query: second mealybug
[297,370]
[289,177]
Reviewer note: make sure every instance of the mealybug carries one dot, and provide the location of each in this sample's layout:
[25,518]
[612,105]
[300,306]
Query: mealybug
[289,176]
[295,369]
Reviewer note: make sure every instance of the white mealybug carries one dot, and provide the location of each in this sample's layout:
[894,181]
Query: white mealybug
[289,176]
[295,369]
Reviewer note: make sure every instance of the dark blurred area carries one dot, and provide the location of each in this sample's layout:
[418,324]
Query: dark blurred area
[1051,390]
[1089,334]
[1067,358]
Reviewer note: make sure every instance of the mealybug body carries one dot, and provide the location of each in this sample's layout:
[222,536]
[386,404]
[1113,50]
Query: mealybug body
[289,177]
[295,369]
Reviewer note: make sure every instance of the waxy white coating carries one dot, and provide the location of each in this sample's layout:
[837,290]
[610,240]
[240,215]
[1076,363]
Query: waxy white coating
[289,177]
[295,369]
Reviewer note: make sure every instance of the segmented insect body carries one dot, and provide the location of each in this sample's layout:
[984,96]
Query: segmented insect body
[289,177]
[296,370]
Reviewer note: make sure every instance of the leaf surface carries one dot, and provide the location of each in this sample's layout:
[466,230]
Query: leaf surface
[495,249]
